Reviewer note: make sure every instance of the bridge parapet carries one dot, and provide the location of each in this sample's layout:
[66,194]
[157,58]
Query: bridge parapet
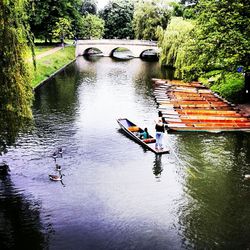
[118,42]
[107,46]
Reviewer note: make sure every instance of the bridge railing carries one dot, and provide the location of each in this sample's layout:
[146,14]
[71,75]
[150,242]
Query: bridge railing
[117,41]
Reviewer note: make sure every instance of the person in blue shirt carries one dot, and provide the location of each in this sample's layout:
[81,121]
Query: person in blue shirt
[144,134]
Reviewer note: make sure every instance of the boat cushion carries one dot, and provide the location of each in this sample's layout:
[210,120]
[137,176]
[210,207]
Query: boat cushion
[149,140]
[134,129]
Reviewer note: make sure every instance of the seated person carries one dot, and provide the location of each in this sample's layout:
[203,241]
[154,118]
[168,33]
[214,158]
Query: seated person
[144,134]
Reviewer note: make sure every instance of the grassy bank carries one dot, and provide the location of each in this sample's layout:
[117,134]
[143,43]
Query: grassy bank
[229,85]
[49,64]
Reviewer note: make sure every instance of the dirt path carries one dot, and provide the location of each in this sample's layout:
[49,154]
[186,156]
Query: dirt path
[48,52]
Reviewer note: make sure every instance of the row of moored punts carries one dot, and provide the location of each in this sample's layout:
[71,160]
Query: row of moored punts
[193,107]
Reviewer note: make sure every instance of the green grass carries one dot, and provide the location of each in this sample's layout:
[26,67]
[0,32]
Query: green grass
[229,86]
[51,63]
[41,49]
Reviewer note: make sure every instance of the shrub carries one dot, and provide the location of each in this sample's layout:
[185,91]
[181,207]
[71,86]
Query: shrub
[229,85]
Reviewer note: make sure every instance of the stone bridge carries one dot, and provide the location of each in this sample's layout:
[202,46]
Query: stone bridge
[108,46]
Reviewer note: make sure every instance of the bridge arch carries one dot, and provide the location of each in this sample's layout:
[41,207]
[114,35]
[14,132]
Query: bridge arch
[116,48]
[148,52]
[107,46]
[91,50]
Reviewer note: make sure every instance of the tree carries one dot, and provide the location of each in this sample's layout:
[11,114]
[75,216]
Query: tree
[89,7]
[147,16]
[118,16]
[177,9]
[62,29]
[46,13]
[221,35]
[92,27]
[173,42]
[15,92]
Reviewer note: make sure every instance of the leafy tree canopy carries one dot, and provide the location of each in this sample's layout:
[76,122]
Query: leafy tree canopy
[92,27]
[118,16]
[62,29]
[147,16]
[46,13]
[222,34]
[173,42]
[15,90]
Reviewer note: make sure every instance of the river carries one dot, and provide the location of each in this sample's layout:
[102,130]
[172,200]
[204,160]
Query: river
[114,194]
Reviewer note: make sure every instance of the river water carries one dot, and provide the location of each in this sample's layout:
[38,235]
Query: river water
[114,194]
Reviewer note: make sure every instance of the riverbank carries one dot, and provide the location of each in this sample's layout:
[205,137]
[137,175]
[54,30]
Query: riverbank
[50,62]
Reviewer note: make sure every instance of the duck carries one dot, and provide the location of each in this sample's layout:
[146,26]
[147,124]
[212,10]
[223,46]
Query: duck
[58,167]
[54,156]
[57,153]
[55,177]
[60,151]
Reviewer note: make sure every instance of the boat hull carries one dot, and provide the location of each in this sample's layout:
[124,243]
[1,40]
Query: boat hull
[125,125]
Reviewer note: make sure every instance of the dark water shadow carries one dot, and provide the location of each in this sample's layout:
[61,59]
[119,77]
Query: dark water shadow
[20,219]
[157,167]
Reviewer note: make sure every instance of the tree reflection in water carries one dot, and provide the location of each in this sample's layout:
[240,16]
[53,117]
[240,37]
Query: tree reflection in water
[11,126]
[20,223]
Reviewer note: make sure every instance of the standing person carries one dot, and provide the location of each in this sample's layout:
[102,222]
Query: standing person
[159,128]
[165,123]
[161,116]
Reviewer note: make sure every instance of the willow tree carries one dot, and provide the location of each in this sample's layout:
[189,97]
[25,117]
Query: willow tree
[148,15]
[15,90]
[174,42]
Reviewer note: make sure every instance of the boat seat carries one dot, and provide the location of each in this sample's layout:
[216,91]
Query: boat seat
[134,129]
[149,140]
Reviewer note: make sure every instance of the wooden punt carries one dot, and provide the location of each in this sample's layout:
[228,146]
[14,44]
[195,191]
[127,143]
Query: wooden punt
[208,129]
[209,112]
[193,107]
[133,131]
[188,106]
[192,84]
[209,117]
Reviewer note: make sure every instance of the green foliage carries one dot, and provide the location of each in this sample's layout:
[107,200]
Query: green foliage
[177,9]
[62,29]
[211,77]
[189,13]
[45,14]
[51,63]
[148,16]
[227,84]
[222,34]
[92,27]
[118,16]
[15,91]
[231,86]
[89,7]
[173,42]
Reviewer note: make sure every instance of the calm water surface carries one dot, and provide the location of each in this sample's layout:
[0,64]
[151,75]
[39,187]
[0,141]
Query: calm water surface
[116,195]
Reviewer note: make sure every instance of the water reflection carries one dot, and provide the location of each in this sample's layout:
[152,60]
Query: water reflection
[157,169]
[215,214]
[11,126]
[20,222]
[116,196]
